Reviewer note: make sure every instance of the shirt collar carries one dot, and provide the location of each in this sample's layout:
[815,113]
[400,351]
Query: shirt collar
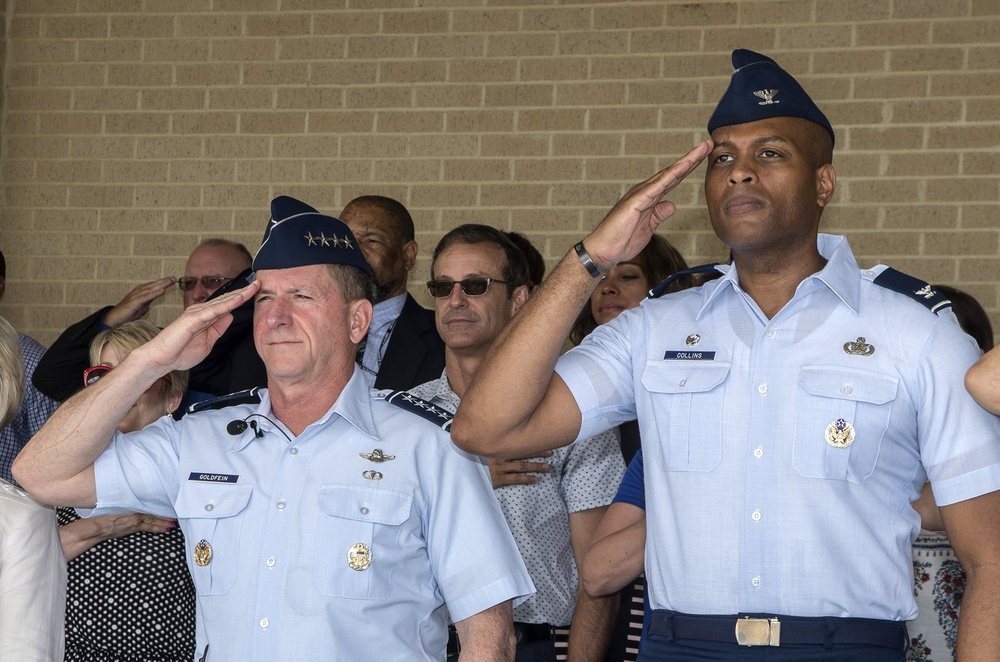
[840,274]
[353,405]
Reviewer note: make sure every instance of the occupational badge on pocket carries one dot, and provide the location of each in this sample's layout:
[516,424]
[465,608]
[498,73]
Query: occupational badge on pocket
[359,556]
[840,434]
[202,553]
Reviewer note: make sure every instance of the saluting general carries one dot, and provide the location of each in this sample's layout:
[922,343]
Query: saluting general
[323,522]
[790,410]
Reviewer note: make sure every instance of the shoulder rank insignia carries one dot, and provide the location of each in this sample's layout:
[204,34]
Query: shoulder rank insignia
[914,288]
[411,403]
[662,288]
[247,397]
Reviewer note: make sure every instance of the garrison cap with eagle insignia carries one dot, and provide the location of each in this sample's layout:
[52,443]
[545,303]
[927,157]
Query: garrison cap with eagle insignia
[760,89]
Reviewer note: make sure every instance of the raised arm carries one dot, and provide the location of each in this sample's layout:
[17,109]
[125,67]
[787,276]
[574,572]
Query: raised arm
[57,465]
[517,406]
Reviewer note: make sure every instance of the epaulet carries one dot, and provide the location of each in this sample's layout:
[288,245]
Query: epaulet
[660,289]
[914,288]
[247,397]
[411,403]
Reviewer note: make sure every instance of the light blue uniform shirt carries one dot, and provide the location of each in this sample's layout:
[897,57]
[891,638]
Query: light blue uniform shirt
[281,517]
[749,507]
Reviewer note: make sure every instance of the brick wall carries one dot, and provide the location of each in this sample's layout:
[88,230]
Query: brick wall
[132,129]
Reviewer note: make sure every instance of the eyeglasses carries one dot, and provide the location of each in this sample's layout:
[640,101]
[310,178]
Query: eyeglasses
[473,287]
[209,282]
[94,373]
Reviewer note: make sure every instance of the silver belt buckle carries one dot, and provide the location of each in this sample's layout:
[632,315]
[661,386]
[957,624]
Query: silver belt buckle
[758,631]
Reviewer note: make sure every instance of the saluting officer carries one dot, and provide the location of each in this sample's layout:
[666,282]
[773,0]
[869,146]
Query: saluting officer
[790,411]
[323,522]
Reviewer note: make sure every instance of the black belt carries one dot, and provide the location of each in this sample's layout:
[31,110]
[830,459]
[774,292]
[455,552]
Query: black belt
[764,630]
[527,634]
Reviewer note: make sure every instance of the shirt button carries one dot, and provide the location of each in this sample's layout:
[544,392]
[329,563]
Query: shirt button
[758,452]
[846,389]
[281,505]
[209,506]
[755,515]
[682,382]
[264,622]
[762,389]
[294,450]
[756,582]
[769,333]
[270,562]
[364,510]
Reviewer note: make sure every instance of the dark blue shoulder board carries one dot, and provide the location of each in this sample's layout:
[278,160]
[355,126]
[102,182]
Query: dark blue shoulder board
[247,397]
[411,403]
[914,288]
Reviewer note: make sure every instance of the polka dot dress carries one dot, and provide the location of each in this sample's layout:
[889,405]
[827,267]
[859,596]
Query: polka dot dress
[130,599]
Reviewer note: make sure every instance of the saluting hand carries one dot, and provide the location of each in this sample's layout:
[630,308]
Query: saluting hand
[186,341]
[136,302]
[633,220]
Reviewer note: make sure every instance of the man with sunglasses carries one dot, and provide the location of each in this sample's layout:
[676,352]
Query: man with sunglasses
[479,281]
[324,520]
[211,265]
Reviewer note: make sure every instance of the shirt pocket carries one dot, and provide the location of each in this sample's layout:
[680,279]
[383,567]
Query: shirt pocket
[827,394]
[363,524]
[213,513]
[686,404]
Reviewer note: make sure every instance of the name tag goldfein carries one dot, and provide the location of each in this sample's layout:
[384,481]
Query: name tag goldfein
[689,356]
[206,477]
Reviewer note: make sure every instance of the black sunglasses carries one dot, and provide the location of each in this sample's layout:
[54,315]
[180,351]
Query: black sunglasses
[210,282]
[473,287]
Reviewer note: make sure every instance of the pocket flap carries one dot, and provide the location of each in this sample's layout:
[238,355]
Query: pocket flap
[365,504]
[684,376]
[848,384]
[211,500]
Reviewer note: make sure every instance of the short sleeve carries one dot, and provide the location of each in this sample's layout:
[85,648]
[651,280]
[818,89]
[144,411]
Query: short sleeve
[599,374]
[472,552]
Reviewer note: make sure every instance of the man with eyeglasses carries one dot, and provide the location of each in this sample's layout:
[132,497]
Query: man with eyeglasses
[324,520]
[479,281]
[211,265]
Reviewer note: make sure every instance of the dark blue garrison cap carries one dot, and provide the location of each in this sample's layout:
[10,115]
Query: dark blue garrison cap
[297,235]
[760,89]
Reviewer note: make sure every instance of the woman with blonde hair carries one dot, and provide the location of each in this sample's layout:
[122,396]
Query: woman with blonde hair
[130,595]
[32,567]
